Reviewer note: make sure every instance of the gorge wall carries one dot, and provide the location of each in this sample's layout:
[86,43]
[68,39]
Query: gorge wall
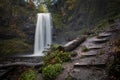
[77,16]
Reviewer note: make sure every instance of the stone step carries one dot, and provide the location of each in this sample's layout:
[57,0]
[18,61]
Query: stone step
[94,47]
[89,53]
[91,43]
[104,34]
[93,60]
[96,40]
[100,40]
[89,65]
[89,73]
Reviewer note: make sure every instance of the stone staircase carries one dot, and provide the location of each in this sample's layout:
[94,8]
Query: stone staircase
[91,64]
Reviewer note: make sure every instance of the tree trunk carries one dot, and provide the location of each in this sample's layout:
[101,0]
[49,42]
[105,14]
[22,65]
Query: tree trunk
[72,44]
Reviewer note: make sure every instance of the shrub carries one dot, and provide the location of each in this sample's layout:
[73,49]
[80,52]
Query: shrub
[64,56]
[51,71]
[52,58]
[42,8]
[56,56]
[53,62]
[28,75]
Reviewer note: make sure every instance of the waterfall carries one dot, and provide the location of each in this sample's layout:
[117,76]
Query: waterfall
[43,33]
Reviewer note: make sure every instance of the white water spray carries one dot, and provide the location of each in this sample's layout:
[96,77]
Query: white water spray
[43,33]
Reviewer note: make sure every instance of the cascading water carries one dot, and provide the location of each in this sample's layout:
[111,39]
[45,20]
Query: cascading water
[43,33]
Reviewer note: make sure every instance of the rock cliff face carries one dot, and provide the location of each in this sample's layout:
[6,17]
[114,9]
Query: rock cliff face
[70,18]
[87,12]
[17,26]
[77,15]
